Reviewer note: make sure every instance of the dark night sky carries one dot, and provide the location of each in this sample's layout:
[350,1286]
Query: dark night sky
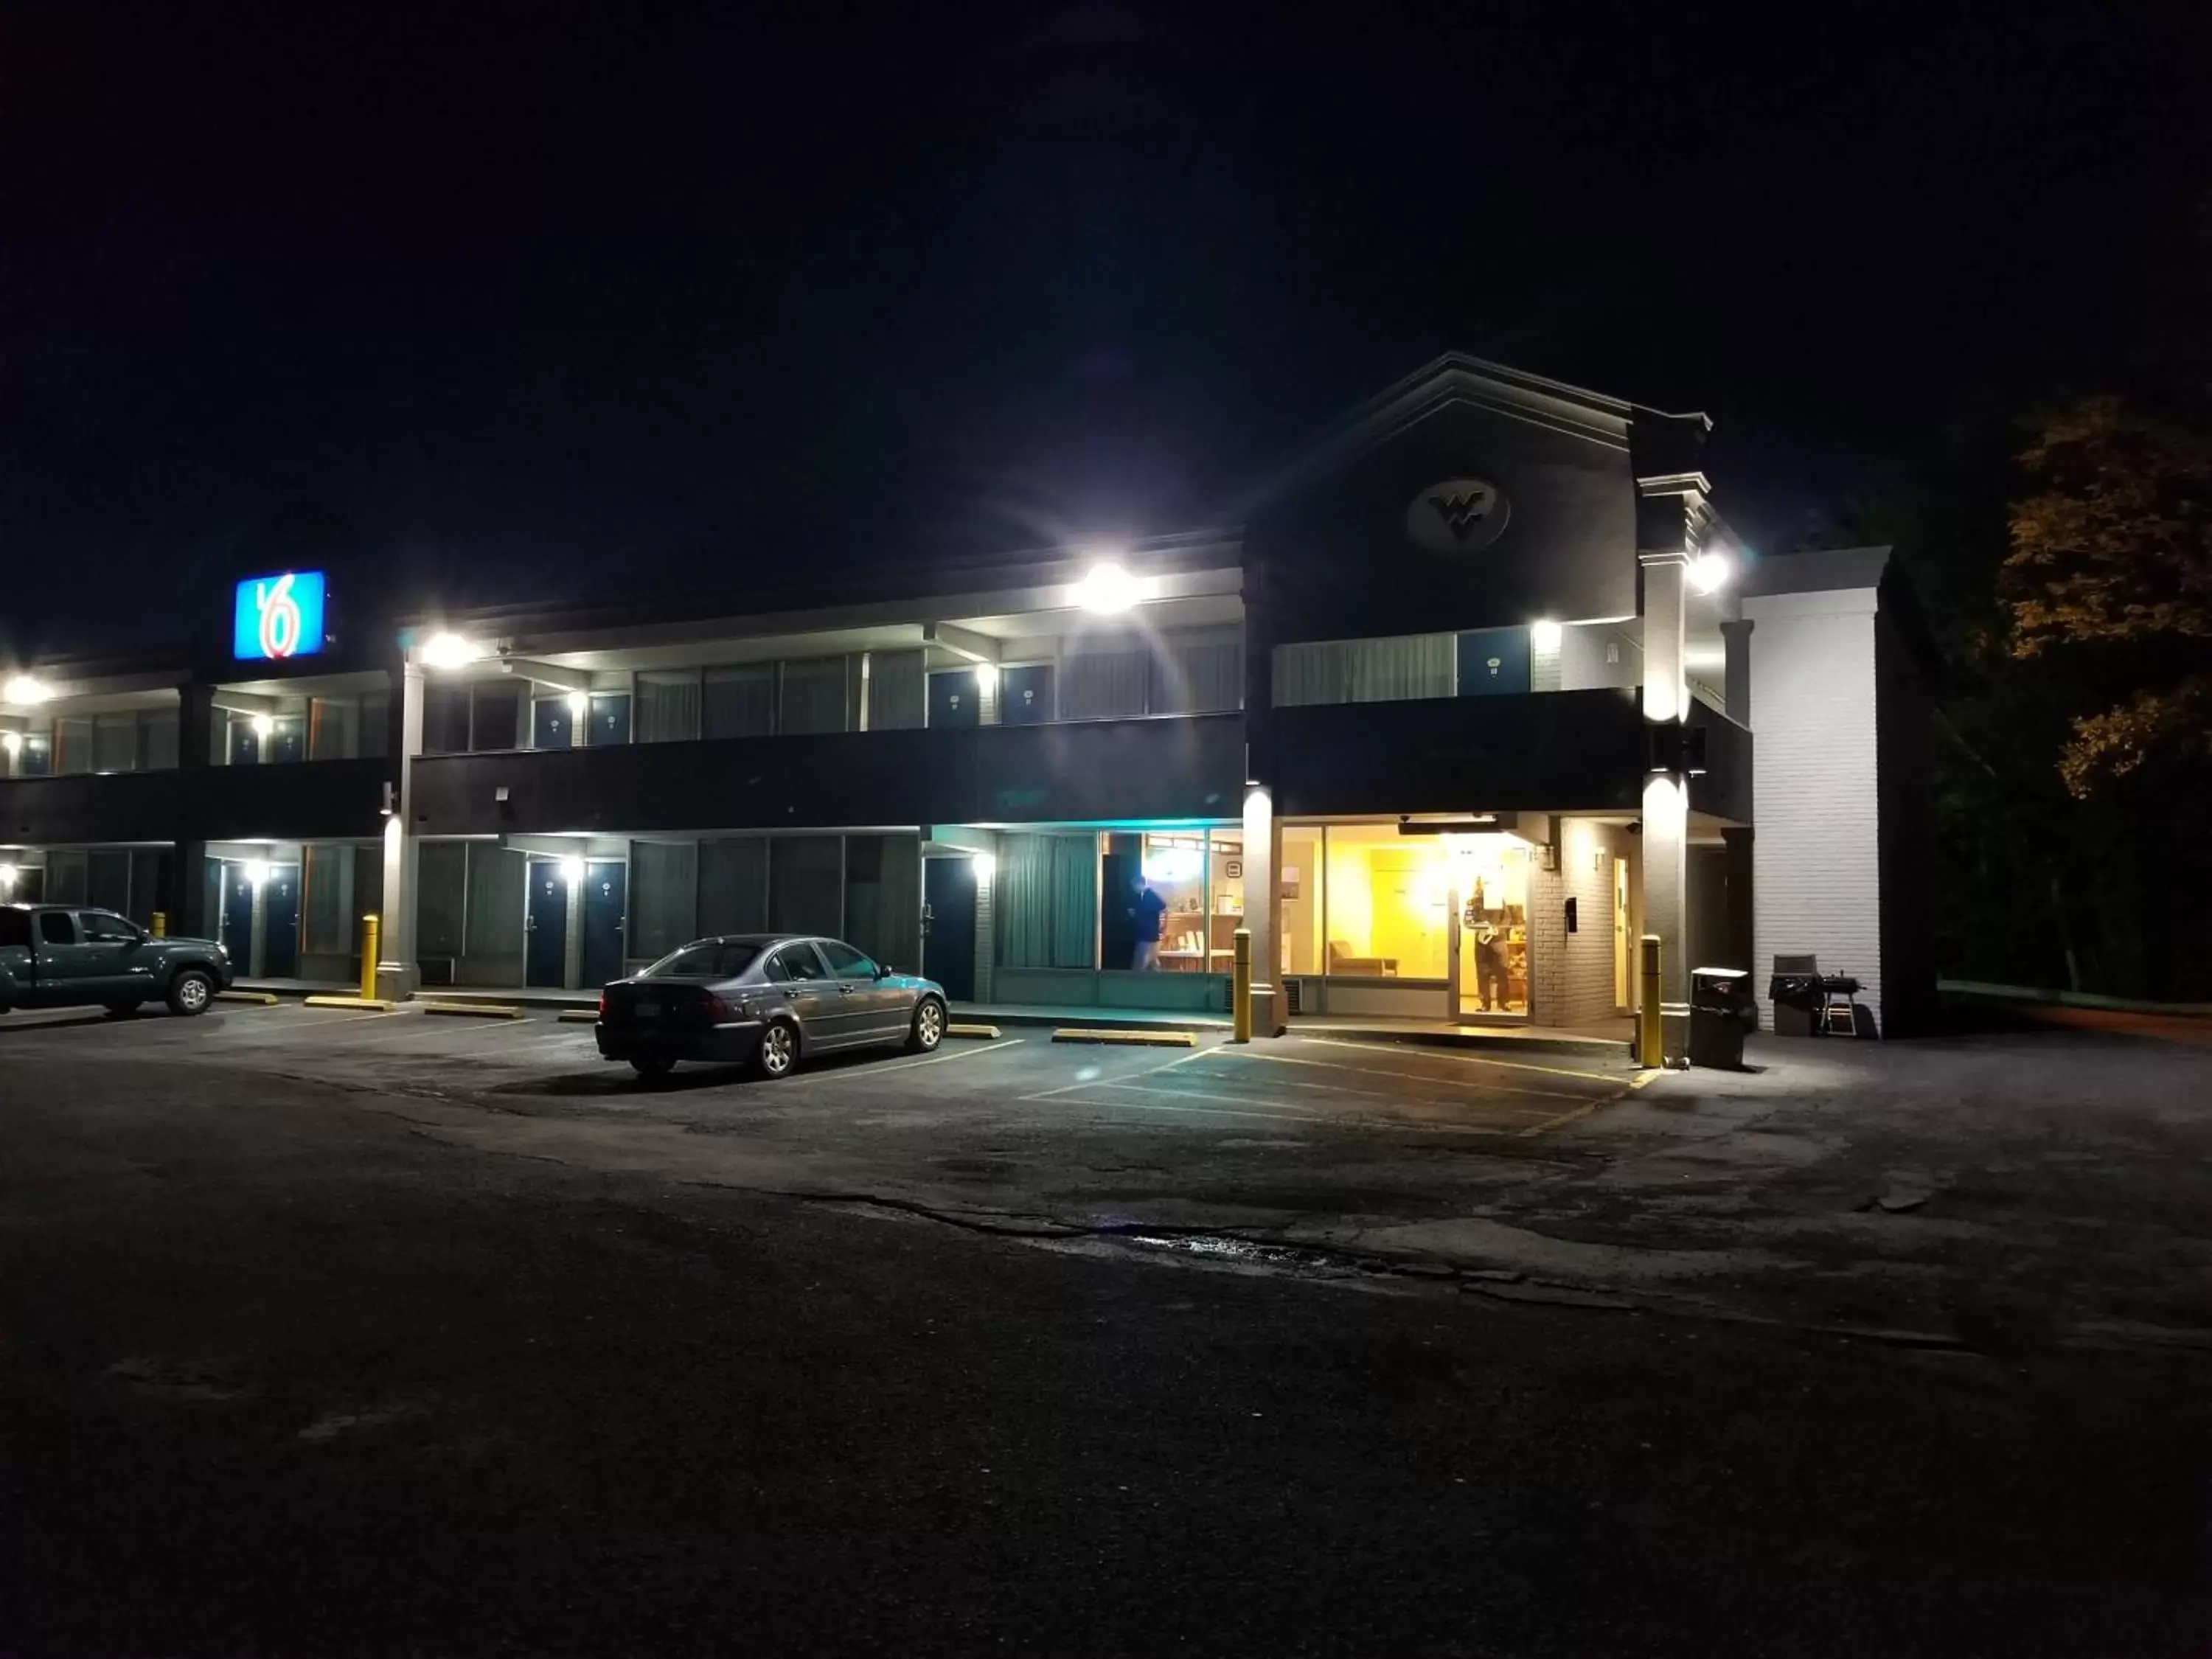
[573,294]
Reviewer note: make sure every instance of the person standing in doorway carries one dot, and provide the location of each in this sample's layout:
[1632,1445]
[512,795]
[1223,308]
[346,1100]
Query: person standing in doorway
[1147,910]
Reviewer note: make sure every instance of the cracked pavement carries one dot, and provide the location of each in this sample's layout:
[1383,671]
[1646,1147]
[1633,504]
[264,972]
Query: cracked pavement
[382,1334]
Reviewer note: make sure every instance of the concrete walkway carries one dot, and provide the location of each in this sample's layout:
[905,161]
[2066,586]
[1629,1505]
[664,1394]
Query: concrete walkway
[1606,1036]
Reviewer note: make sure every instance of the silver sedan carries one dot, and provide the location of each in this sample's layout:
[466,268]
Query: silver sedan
[765,999]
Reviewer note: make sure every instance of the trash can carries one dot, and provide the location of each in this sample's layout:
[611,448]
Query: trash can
[1721,1011]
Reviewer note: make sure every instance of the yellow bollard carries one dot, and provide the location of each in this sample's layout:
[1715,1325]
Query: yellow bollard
[1240,996]
[371,930]
[160,927]
[1648,1047]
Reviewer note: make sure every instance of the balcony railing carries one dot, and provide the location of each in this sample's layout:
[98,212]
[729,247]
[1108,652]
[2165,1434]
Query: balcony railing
[1162,767]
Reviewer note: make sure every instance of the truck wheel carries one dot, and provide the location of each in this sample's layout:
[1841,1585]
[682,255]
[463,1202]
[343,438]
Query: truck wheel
[191,992]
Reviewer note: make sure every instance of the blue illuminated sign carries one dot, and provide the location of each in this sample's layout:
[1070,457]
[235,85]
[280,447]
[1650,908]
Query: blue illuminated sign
[278,617]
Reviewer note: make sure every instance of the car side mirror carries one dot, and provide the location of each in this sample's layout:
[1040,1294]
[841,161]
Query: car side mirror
[883,970]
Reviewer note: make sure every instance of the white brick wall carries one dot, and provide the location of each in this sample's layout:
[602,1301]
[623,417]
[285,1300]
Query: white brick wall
[1816,884]
[1574,978]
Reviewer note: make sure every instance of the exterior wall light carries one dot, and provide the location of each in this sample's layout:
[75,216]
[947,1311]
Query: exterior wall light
[256,872]
[580,703]
[571,870]
[7,874]
[986,676]
[1708,571]
[985,865]
[12,742]
[264,725]
[21,687]
[1544,635]
[450,650]
[1108,587]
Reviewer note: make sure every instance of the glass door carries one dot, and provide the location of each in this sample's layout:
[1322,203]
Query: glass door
[1490,882]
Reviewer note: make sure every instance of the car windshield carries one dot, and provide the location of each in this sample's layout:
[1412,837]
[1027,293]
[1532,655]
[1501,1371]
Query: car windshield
[708,959]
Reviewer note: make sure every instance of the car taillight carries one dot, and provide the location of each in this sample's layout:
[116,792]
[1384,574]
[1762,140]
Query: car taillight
[716,1008]
[603,1005]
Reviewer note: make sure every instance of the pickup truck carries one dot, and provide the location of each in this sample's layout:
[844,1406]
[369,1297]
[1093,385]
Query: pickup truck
[62,956]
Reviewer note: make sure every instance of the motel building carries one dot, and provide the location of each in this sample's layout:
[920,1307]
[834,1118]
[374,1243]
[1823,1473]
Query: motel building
[1472,695]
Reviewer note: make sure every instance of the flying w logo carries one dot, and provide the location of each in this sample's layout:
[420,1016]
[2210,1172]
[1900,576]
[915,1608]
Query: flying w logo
[1463,509]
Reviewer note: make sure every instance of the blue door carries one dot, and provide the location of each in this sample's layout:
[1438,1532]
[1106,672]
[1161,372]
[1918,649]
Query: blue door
[280,923]
[1493,661]
[237,918]
[545,959]
[1026,695]
[605,893]
[954,699]
[948,945]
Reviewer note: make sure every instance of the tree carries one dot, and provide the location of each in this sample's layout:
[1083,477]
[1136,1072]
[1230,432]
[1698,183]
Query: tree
[2112,553]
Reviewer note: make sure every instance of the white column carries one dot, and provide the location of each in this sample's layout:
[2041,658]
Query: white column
[397,975]
[1263,857]
[1665,794]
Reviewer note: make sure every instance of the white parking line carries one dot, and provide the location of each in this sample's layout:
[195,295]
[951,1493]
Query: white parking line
[1411,1077]
[931,1060]
[1476,1060]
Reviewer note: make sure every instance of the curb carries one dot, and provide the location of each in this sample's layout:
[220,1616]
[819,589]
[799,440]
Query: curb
[372,1004]
[472,1010]
[1135,1039]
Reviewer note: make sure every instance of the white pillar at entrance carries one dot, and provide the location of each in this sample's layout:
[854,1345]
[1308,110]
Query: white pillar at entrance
[1665,794]
[1263,857]
[397,975]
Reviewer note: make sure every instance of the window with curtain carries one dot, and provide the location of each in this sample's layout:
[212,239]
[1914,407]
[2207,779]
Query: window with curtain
[896,690]
[664,890]
[114,743]
[326,896]
[883,897]
[813,695]
[667,707]
[333,731]
[496,721]
[441,898]
[373,738]
[733,885]
[157,740]
[72,746]
[739,701]
[1046,898]
[149,869]
[65,879]
[108,880]
[444,720]
[496,875]
[806,888]
[1200,672]
[1101,680]
[1366,670]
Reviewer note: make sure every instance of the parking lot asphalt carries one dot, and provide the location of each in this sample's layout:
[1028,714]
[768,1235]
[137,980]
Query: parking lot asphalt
[340,1332]
[1992,1191]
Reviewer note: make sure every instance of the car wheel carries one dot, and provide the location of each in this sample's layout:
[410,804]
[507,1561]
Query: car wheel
[118,1010]
[191,992]
[928,1027]
[779,1049]
[653,1067]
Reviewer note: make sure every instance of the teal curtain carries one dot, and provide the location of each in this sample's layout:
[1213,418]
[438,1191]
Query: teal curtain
[1075,901]
[1047,900]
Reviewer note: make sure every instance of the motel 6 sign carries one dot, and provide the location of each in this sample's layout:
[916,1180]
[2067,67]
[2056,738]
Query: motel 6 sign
[278,617]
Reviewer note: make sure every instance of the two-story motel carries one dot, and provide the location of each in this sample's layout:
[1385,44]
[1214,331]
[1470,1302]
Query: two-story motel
[1463,703]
